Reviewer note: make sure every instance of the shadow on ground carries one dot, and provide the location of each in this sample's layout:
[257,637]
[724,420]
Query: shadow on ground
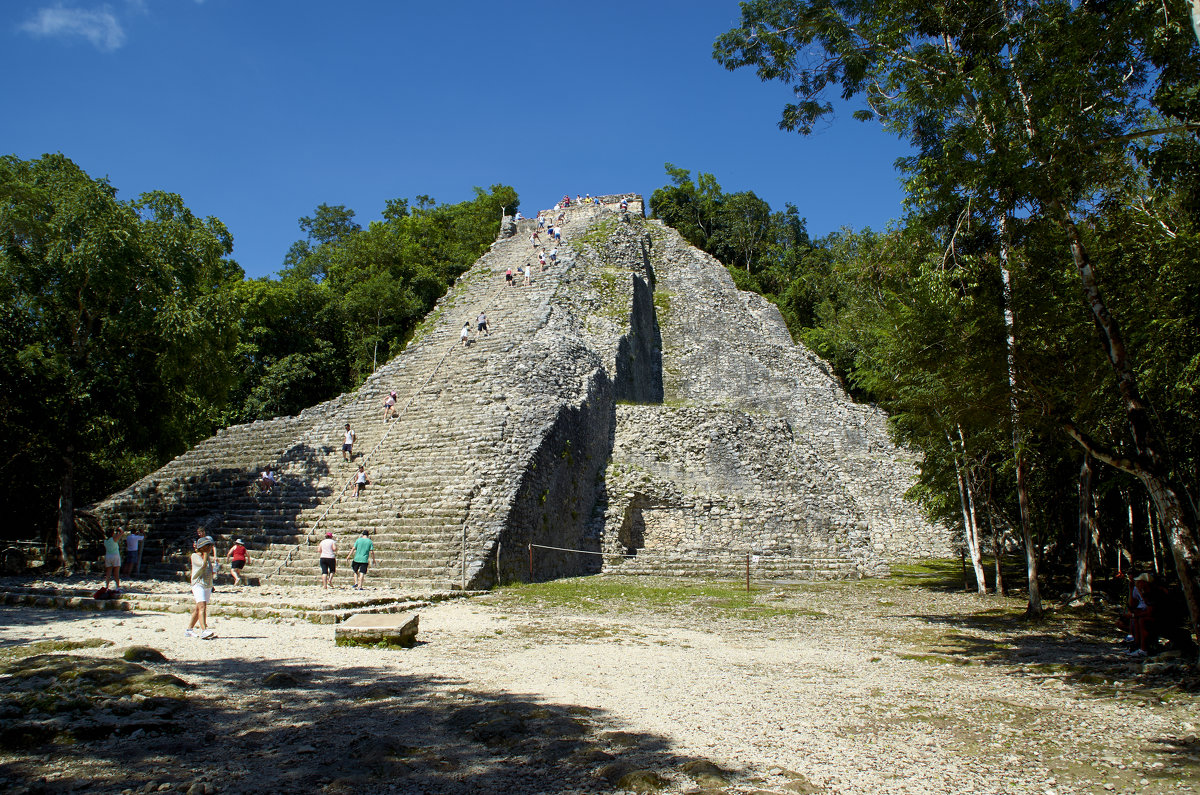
[351,730]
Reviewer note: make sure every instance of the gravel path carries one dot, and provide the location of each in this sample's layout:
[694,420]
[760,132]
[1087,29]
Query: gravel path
[603,685]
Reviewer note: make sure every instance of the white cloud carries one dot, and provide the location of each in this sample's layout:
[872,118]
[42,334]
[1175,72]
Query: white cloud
[100,27]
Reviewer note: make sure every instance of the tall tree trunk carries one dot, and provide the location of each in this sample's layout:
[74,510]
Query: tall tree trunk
[1151,523]
[1150,465]
[997,551]
[1087,540]
[66,512]
[970,521]
[970,530]
[1034,610]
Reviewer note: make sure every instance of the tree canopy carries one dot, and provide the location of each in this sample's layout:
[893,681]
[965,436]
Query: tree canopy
[127,333]
[1039,130]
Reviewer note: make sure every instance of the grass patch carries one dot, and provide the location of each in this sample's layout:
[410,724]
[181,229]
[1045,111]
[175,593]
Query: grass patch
[937,659]
[603,594]
[51,647]
[940,574]
[662,306]
[369,643]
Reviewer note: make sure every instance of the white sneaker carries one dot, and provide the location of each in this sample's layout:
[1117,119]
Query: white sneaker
[191,633]
[208,633]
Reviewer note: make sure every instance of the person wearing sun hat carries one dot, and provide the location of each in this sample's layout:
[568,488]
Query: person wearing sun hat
[327,556]
[202,586]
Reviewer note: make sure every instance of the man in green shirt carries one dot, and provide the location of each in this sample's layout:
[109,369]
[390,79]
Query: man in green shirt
[362,554]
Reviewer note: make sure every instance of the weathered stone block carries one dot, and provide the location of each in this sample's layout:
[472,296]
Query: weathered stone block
[378,629]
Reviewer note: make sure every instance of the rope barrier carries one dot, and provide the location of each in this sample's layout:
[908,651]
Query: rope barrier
[728,554]
[749,556]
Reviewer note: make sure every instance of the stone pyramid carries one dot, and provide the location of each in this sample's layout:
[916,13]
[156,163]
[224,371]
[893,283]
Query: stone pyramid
[631,411]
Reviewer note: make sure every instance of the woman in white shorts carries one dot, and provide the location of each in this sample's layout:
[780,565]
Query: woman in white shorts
[202,585]
[112,557]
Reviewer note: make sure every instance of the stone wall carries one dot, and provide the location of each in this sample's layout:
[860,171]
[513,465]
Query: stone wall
[756,447]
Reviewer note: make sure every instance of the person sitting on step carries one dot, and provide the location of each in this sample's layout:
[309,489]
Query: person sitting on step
[360,480]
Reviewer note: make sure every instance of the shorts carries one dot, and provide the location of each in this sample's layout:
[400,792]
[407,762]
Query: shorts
[111,561]
[201,592]
[359,568]
[483,326]
[328,565]
[347,447]
[237,564]
[360,486]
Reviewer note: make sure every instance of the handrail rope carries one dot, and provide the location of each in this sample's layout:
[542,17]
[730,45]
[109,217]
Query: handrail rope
[488,303]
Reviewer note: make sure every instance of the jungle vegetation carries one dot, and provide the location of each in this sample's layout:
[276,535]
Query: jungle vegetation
[128,333]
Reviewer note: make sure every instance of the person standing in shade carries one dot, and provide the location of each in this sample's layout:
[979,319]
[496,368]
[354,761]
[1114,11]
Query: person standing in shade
[327,554]
[112,558]
[348,444]
[202,587]
[360,556]
[133,553]
[237,560]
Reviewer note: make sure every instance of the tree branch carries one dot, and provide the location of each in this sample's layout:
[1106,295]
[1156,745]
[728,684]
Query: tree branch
[1100,452]
[1191,126]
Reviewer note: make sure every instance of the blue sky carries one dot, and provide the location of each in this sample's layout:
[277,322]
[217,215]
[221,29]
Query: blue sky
[256,111]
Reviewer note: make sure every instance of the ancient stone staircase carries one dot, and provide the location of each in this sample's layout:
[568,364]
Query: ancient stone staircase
[426,467]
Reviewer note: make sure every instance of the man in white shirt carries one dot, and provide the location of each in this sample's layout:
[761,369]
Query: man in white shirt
[133,553]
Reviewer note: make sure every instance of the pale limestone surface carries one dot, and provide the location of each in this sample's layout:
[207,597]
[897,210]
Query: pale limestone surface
[848,690]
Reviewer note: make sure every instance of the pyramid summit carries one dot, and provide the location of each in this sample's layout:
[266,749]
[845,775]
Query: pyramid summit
[628,410]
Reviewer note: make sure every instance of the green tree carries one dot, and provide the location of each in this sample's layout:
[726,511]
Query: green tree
[1026,108]
[350,298]
[111,308]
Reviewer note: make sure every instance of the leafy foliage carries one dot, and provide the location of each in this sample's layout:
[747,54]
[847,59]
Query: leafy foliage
[1044,146]
[110,310]
[127,333]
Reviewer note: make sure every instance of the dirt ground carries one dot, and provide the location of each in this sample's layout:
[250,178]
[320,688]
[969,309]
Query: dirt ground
[604,685]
